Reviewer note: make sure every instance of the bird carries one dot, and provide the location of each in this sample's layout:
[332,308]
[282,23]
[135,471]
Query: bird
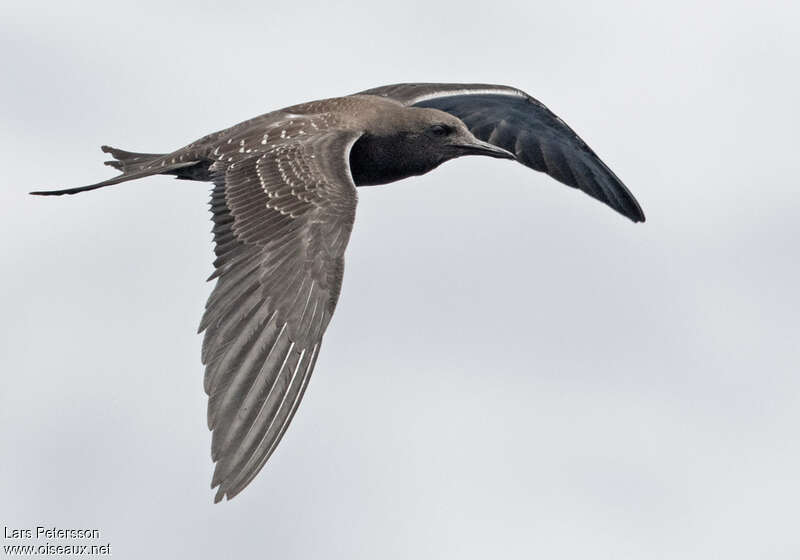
[283,205]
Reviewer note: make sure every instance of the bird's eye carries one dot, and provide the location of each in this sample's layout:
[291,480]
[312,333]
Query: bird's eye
[440,130]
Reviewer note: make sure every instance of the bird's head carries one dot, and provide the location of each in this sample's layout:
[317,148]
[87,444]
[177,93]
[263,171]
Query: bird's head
[443,134]
[400,142]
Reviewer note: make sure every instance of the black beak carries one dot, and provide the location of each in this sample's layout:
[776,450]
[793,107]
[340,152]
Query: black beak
[481,148]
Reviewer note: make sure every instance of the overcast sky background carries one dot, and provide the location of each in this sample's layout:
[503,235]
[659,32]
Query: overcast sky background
[513,371]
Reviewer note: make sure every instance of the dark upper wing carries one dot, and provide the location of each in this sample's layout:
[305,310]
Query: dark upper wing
[513,120]
[283,215]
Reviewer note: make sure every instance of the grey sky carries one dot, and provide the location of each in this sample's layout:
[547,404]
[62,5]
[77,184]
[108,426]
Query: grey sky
[513,369]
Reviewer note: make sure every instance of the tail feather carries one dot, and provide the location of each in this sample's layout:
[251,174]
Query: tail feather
[135,166]
[129,161]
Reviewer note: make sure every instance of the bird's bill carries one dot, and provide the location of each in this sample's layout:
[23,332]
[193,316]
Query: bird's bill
[481,148]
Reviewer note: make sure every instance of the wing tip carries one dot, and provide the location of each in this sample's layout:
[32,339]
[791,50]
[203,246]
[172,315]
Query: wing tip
[219,495]
[633,210]
[219,484]
[224,491]
[637,215]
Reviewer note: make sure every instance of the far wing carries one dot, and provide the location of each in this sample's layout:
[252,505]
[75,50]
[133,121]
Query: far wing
[517,122]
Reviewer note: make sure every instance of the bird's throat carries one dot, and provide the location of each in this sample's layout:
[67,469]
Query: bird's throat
[377,160]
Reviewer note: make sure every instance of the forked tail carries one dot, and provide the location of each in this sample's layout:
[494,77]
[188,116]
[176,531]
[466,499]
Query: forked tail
[129,162]
[135,166]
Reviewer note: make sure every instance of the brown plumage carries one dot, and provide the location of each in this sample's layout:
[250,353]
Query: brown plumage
[283,207]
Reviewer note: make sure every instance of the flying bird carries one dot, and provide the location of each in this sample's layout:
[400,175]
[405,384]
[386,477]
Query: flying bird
[283,205]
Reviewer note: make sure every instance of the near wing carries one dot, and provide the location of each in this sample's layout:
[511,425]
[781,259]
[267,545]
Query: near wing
[517,122]
[283,215]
